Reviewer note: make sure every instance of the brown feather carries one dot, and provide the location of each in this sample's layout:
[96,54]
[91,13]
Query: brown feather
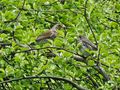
[50,34]
[43,36]
[88,43]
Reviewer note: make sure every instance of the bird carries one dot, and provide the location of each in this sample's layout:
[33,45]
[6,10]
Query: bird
[50,34]
[87,43]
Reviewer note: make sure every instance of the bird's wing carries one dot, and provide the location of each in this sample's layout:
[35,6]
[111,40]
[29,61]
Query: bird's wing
[43,36]
[93,46]
[89,43]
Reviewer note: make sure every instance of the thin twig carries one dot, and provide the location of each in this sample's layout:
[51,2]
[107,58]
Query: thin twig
[98,57]
[6,60]
[85,15]
[110,19]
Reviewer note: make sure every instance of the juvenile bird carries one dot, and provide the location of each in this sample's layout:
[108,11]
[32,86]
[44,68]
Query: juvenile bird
[51,33]
[87,43]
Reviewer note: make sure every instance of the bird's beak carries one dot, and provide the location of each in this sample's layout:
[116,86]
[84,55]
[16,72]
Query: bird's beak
[63,26]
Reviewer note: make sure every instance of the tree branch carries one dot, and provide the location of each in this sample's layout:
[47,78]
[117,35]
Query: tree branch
[58,48]
[93,81]
[49,77]
[102,72]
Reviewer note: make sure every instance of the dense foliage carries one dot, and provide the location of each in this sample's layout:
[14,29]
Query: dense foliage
[57,64]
